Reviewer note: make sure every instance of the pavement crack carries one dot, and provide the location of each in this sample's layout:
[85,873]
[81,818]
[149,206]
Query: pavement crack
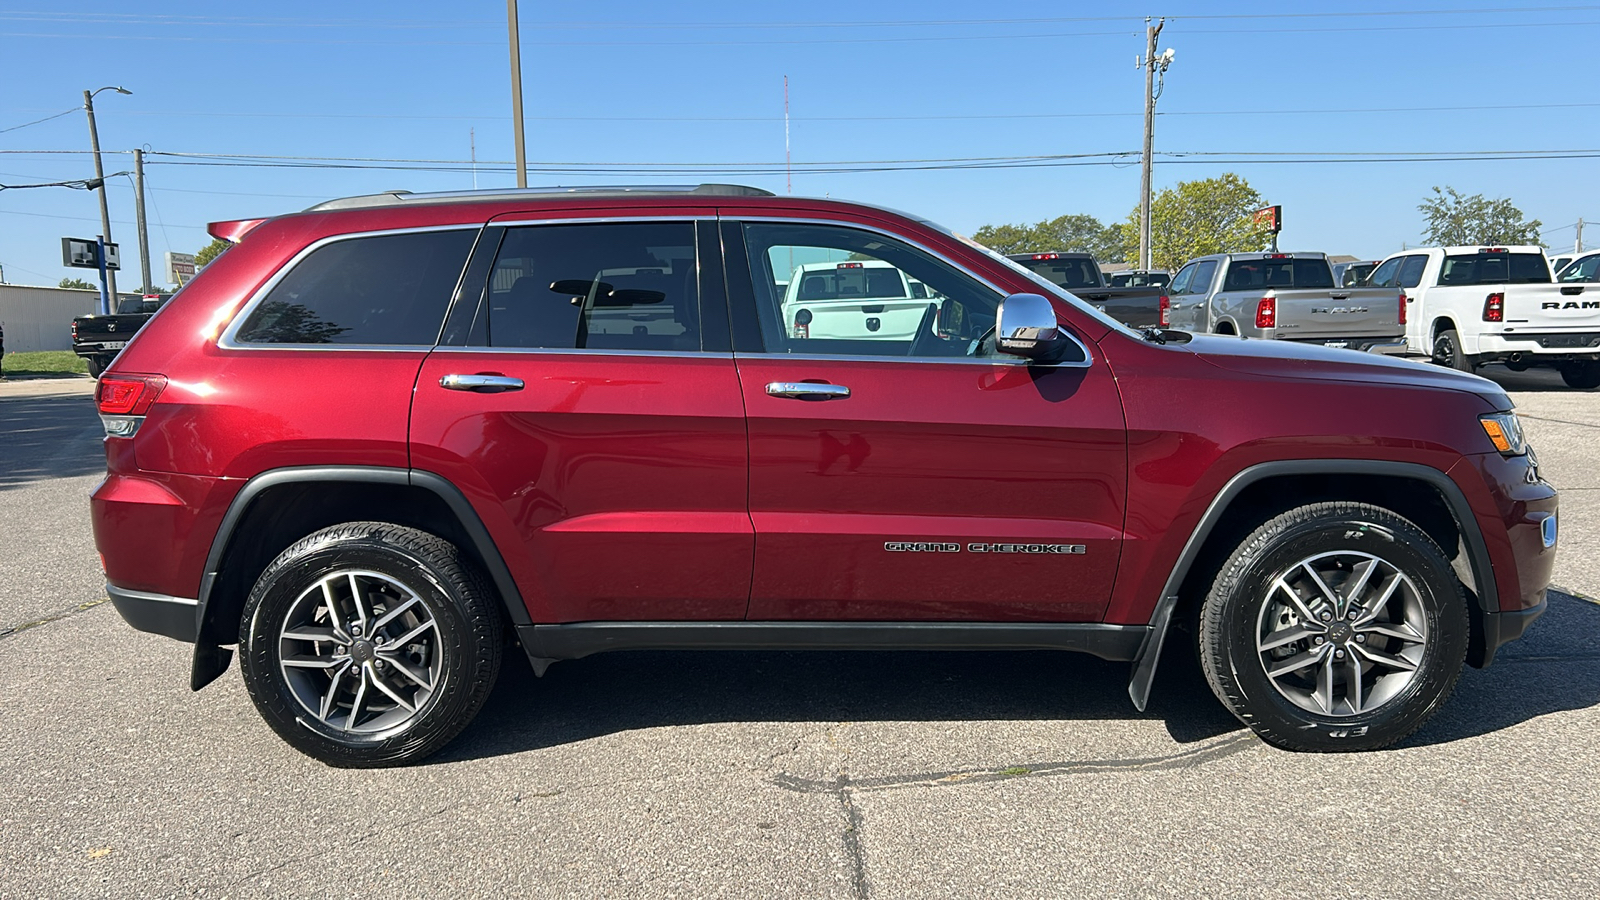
[1182,760]
[1558,421]
[13,630]
[852,836]
[356,842]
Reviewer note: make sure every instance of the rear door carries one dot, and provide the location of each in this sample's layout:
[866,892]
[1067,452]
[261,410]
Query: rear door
[920,479]
[584,398]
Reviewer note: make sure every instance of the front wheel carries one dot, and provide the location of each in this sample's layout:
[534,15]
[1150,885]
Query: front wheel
[1334,627]
[1582,376]
[369,644]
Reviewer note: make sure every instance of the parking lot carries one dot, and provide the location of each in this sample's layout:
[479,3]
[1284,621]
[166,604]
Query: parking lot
[772,774]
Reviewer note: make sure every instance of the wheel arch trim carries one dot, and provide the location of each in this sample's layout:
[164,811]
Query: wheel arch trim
[1488,595]
[211,659]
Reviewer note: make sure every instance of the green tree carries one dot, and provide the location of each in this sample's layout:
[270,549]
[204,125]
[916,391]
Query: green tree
[1454,220]
[210,251]
[1196,218]
[1072,234]
[77,284]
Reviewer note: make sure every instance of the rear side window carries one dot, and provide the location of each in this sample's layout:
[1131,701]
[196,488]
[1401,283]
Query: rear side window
[1068,273]
[1254,274]
[389,289]
[610,286]
[1495,268]
[1203,273]
[1411,271]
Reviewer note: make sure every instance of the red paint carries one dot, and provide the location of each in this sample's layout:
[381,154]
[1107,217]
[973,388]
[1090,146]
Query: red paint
[654,487]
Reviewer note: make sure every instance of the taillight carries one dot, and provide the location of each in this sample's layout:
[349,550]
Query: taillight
[1494,308]
[128,395]
[74,332]
[1267,313]
[1403,302]
[1166,311]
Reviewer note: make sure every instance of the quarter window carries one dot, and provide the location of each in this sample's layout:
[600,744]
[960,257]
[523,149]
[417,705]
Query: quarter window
[609,286]
[387,289]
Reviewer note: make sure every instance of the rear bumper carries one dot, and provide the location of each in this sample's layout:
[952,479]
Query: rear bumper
[1548,345]
[156,613]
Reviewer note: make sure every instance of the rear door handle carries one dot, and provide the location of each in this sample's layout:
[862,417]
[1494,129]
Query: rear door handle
[805,390]
[483,384]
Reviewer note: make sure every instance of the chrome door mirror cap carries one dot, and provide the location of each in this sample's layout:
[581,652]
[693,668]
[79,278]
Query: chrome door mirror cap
[1026,325]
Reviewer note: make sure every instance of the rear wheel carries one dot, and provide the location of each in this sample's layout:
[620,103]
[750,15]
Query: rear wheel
[369,644]
[1447,352]
[96,366]
[1334,627]
[1581,375]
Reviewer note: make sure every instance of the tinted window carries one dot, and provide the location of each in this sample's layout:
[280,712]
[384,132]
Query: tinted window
[1355,274]
[612,286]
[951,320]
[1069,273]
[1411,270]
[1254,274]
[1495,268]
[389,289]
[1203,273]
[1384,274]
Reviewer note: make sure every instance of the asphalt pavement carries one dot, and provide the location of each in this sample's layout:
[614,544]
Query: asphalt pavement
[771,774]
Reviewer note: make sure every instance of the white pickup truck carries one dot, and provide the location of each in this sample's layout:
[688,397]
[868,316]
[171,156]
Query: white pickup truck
[1467,306]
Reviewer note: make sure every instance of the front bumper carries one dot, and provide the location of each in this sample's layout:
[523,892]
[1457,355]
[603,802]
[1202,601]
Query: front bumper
[156,613]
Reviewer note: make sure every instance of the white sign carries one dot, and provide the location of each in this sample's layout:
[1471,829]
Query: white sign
[79,253]
[180,267]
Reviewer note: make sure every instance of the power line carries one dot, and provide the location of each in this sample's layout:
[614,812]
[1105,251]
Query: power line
[58,115]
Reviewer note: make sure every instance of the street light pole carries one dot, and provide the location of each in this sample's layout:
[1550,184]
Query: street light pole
[100,176]
[516,94]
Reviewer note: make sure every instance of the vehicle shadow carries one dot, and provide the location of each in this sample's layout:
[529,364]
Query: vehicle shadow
[48,437]
[611,693]
[1538,380]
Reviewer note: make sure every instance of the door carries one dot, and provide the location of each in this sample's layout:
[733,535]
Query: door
[923,476]
[1190,312]
[586,402]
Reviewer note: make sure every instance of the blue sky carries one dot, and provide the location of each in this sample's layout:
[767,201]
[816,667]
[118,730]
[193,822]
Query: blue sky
[632,82]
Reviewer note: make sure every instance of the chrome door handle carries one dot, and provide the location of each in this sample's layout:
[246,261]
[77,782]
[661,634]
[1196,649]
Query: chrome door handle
[805,390]
[483,384]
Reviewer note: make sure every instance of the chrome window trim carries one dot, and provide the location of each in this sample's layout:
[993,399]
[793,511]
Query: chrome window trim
[597,220]
[229,339]
[1088,357]
[586,351]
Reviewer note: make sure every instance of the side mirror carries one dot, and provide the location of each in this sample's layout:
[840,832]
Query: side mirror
[1027,326]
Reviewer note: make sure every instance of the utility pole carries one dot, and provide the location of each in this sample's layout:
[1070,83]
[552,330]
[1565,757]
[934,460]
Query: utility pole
[516,93]
[1151,63]
[138,217]
[105,211]
[1579,247]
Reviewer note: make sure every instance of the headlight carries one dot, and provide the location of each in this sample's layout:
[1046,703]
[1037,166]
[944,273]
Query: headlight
[1505,432]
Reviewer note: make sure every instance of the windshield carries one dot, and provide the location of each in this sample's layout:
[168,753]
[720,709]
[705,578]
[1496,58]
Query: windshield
[1586,268]
[851,282]
[1495,268]
[1356,274]
[1051,289]
[1253,274]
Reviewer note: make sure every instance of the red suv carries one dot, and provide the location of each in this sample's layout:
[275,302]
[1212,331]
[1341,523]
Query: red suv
[378,441]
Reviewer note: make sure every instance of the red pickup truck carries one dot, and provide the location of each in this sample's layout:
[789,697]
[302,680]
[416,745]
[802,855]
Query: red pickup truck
[380,440]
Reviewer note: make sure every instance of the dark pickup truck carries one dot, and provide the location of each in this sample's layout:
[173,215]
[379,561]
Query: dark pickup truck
[1139,307]
[98,339]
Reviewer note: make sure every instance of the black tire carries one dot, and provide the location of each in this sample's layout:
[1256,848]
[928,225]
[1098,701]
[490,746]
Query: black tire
[95,366]
[1447,352]
[460,658]
[1240,615]
[1581,376]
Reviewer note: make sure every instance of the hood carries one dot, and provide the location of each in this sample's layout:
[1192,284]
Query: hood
[1287,359]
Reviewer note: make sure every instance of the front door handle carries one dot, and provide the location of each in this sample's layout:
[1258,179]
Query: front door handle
[483,384]
[806,390]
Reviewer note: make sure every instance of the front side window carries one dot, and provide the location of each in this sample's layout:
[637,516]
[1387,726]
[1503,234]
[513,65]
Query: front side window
[832,290]
[389,289]
[1411,270]
[605,286]
[1203,273]
[1180,283]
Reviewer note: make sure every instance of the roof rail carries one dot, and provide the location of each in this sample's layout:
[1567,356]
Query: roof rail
[399,198]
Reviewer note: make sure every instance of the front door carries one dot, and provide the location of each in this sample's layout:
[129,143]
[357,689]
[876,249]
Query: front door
[902,470]
[584,399]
